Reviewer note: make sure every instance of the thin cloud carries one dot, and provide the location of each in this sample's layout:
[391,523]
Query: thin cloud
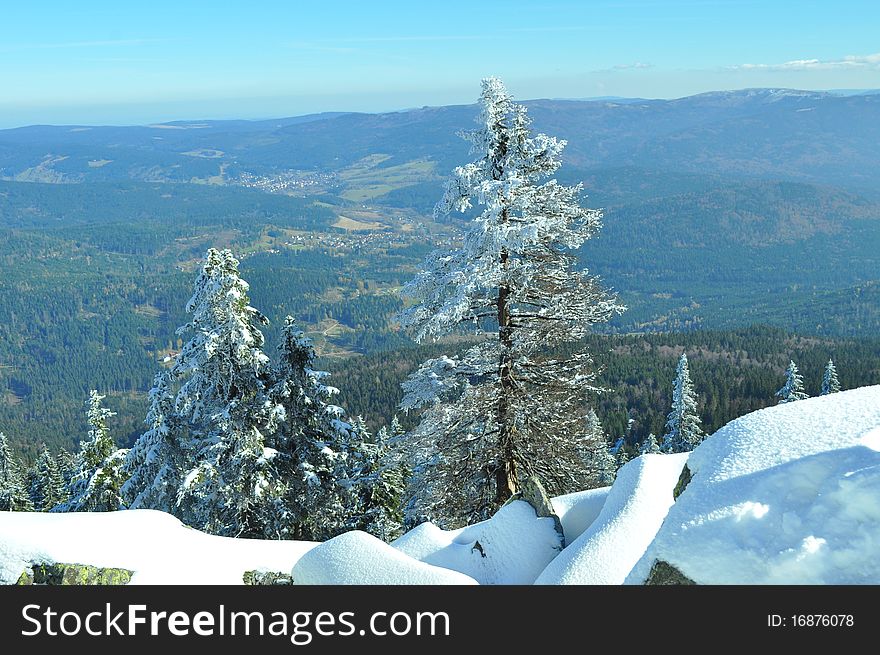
[634,66]
[849,62]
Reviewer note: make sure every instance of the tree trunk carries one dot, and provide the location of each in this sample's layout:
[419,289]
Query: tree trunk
[505,473]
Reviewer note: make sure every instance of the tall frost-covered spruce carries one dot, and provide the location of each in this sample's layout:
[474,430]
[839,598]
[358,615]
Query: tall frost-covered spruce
[683,431]
[223,404]
[504,409]
[830,383]
[310,499]
[793,389]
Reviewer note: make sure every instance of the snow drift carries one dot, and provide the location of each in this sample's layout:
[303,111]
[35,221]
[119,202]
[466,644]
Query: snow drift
[359,558]
[636,506]
[156,546]
[512,547]
[785,495]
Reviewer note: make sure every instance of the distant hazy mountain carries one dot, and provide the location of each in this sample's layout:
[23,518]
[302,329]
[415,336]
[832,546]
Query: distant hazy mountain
[784,134]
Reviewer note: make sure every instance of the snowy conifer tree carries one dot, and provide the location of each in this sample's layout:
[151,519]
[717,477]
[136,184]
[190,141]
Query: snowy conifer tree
[46,486]
[95,487]
[155,464]
[13,490]
[830,383]
[793,389]
[377,483]
[223,404]
[310,442]
[683,431]
[649,446]
[504,409]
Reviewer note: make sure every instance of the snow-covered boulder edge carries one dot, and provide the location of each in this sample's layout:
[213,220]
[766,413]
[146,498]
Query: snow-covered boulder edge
[785,495]
[635,508]
[156,546]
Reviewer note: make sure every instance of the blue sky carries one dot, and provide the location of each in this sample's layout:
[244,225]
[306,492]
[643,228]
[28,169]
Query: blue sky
[136,62]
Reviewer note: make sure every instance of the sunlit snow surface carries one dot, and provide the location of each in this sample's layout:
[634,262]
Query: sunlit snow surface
[636,505]
[155,545]
[512,547]
[359,558]
[785,495]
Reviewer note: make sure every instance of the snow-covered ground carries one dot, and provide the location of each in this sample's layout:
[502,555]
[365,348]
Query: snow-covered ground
[155,545]
[512,547]
[785,495]
[636,506]
[788,494]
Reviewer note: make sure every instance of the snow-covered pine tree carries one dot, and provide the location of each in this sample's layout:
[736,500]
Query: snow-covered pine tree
[310,443]
[156,462]
[649,446]
[378,483]
[13,490]
[223,404]
[830,383]
[504,409]
[66,463]
[683,431]
[793,389]
[47,489]
[95,487]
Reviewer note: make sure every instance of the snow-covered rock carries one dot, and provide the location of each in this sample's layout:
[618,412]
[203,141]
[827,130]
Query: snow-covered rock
[359,558]
[156,546]
[578,510]
[785,495]
[633,511]
[512,547]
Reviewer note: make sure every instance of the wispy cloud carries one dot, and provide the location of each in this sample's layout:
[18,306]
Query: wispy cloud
[633,66]
[849,62]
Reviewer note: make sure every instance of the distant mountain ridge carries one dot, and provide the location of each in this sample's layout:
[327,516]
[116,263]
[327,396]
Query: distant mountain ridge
[805,136]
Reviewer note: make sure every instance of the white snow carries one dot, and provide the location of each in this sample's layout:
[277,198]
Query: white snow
[578,510]
[635,507]
[155,545]
[512,547]
[785,495]
[359,558]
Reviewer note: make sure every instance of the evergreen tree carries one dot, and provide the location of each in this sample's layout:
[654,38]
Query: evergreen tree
[793,389]
[649,446]
[155,464]
[312,495]
[683,431]
[504,409]
[46,485]
[67,467]
[830,383]
[377,481]
[13,492]
[222,403]
[95,487]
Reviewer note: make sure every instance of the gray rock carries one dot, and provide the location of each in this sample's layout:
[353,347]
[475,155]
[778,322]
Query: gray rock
[683,481]
[266,578]
[534,494]
[62,574]
[663,573]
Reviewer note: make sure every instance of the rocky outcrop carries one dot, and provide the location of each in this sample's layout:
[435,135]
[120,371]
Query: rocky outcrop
[534,494]
[683,481]
[266,578]
[663,573]
[73,574]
